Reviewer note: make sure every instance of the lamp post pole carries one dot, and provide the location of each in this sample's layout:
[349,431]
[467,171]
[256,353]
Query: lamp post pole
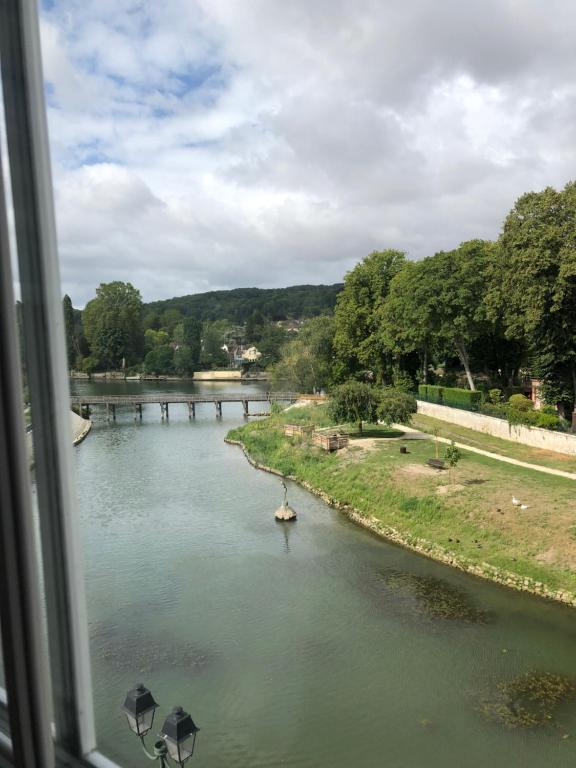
[160,752]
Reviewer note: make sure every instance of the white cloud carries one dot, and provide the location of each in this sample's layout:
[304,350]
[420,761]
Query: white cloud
[214,143]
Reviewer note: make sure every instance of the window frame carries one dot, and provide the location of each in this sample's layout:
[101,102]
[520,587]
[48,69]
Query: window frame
[62,664]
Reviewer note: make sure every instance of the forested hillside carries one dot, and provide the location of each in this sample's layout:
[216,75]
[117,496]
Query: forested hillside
[238,304]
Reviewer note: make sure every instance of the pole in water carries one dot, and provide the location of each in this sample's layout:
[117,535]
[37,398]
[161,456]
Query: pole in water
[285,512]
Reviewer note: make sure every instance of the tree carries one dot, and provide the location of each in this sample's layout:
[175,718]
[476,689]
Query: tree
[395,406]
[160,361]
[352,402]
[534,282]
[69,330]
[184,362]
[358,342]
[113,324]
[305,363]
[449,298]
[192,337]
[452,456]
[272,338]
[154,339]
[213,333]
[406,316]
[169,319]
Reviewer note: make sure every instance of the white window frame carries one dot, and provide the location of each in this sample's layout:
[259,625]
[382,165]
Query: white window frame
[49,690]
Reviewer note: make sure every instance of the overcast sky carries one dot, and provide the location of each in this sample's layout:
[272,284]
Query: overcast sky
[203,144]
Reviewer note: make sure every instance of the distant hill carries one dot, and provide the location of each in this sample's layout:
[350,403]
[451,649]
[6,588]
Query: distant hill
[238,304]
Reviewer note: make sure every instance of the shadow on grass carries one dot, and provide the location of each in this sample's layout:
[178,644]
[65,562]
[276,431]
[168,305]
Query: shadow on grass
[374,432]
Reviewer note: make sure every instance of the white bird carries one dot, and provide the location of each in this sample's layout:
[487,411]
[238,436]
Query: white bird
[523,506]
[516,501]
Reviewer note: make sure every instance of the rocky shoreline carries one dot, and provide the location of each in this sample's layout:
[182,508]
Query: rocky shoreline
[423,547]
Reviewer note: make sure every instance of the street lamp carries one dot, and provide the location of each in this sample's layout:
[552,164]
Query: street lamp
[178,733]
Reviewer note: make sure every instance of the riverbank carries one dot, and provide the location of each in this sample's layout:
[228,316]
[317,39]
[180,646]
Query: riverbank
[471,525]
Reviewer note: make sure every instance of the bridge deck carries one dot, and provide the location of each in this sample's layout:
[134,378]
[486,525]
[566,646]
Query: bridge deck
[264,397]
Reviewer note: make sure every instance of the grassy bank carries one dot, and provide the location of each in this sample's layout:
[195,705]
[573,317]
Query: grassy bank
[472,522]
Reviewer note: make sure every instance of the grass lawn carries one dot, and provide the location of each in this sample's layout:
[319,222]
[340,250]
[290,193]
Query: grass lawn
[474,517]
[495,444]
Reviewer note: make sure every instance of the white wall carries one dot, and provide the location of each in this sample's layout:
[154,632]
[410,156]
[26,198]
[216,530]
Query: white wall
[533,436]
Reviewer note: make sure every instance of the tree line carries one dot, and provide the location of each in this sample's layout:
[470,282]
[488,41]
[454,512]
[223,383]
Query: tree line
[485,314]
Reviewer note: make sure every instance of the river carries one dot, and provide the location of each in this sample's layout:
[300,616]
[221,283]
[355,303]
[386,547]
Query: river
[305,645]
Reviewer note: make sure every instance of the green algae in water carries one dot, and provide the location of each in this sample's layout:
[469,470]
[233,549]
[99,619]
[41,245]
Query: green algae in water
[531,700]
[436,598]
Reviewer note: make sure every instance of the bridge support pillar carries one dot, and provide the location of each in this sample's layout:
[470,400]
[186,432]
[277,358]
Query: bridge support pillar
[114,412]
[218,409]
[164,411]
[245,406]
[191,410]
[138,411]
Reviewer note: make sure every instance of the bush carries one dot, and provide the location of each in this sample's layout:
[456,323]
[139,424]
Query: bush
[547,420]
[430,392]
[396,406]
[461,398]
[354,402]
[495,396]
[521,403]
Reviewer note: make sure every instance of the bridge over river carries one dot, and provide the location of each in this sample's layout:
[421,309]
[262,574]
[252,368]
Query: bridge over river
[83,403]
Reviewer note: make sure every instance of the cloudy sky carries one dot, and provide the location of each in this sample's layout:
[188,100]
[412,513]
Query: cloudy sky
[203,144]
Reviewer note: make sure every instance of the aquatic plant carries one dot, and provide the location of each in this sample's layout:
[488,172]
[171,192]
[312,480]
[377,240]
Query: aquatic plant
[530,700]
[438,599]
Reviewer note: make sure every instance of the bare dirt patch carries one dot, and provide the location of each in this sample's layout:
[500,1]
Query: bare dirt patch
[418,470]
[448,490]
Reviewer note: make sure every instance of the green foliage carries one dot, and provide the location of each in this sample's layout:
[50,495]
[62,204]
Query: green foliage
[113,325]
[272,338]
[452,396]
[160,361]
[395,406]
[237,305]
[69,330]
[213,338]
[495,396]
[520,403]
[534,280]
[354,402]
[184,362]
[169,319]
[154,339]
[306,361]
[452,454]
[358,341]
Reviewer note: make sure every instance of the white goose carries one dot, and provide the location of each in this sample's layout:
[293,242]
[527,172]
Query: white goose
[523,506]
[516,501]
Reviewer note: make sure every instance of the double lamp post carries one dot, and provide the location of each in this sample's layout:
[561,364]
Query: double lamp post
[177,736]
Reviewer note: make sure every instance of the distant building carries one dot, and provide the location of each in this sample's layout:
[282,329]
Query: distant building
[251,355]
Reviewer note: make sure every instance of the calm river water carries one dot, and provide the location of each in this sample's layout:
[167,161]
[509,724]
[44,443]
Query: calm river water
[306,646]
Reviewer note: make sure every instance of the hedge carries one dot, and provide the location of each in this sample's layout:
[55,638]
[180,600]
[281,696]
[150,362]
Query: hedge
[459,398]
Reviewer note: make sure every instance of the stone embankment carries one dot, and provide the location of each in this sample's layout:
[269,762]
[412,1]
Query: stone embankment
[80,427]
[423,547]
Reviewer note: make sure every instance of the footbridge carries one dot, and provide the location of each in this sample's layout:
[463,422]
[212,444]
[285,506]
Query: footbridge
[84,403]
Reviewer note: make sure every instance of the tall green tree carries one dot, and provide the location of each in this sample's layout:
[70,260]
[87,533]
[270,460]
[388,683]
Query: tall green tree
[448,300]
[305,363]
[358,342]
[69,330]
[534,282]
[113,325]
[406,316]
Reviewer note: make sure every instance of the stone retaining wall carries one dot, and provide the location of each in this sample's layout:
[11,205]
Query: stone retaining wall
[423,547]
[533,436]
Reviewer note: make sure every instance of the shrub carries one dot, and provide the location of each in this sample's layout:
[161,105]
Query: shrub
[547,420]
[521,403]
[461,398]
[396,406]
[495,396]
[430,392]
